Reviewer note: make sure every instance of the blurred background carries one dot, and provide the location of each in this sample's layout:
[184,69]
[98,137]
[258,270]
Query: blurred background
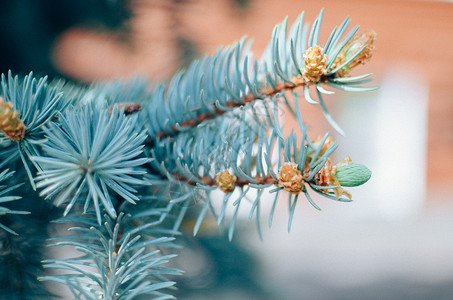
[395,240]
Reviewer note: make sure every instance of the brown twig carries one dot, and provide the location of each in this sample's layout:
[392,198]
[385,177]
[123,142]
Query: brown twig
[212,182]
[265,92]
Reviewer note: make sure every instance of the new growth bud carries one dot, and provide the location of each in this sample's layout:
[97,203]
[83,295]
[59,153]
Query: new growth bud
[344,174]
[352,174]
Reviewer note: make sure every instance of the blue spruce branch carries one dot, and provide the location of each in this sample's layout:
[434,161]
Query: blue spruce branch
[128,161]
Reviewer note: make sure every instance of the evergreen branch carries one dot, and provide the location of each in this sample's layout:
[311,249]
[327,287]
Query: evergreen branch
[21,254]
[233,78]
[35,103]
[91,151]
[4,197]
[115,264]
[215,126]
[257,159]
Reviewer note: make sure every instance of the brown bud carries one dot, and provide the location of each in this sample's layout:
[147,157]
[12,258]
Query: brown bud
[11,126]
[291,178]
[315,65]
[225,181]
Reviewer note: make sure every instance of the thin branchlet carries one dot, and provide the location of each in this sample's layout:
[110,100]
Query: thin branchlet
[267,92]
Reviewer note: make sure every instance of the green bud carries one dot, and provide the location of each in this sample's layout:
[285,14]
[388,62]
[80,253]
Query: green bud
[352,174]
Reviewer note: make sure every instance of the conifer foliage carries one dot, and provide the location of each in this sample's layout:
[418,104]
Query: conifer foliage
[125,160]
